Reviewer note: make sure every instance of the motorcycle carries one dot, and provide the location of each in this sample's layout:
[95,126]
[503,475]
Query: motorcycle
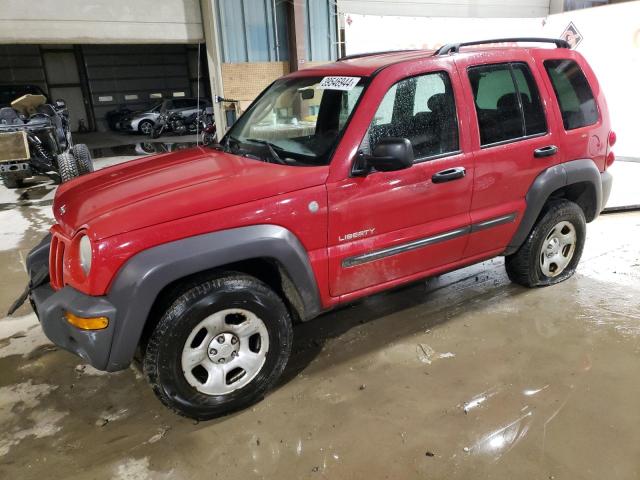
[208,127]
[177,123]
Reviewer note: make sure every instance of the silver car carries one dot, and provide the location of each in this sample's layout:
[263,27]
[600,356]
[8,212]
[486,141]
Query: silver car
[141,122]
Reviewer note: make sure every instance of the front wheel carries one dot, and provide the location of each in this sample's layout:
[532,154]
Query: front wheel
[156,131]
[12,181]
[67,166]
[208,138]
[219,347]
[553,249]
[145,127]
[83,158]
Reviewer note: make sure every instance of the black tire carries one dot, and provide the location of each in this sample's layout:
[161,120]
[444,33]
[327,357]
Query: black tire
[145,127]
[67,166]
[156,131]
[11,181]
[83,158]
[208,138]
[524,267]
[162,360]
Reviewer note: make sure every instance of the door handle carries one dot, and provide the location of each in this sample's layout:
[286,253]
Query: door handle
[449,174]
[547,151]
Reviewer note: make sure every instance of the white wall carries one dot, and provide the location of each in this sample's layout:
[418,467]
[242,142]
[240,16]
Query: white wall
[447,8]
[611,45]
[362,32]
[100,21]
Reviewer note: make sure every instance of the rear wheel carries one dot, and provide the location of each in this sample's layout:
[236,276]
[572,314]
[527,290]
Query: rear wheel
[11,181]
[553,248]
[156,131]
[83,158]
[67,166]
[219,347]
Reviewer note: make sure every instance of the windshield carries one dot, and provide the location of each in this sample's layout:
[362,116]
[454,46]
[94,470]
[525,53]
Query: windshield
[297,121]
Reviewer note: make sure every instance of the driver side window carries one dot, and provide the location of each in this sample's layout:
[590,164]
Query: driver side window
[421,109]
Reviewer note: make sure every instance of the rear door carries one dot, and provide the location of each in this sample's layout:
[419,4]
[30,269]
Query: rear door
[514,139]
[387,227]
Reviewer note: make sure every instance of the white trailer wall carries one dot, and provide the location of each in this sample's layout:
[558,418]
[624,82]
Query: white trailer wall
[610,42]
[447,8]
[363,32]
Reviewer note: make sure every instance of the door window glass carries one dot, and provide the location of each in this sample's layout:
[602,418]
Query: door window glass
[574,95]
[534,119]
[421,109]
[507,102]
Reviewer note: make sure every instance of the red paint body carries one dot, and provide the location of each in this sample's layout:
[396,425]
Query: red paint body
[128,208]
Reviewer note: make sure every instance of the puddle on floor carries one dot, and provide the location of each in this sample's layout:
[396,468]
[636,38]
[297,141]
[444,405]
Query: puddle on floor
[140,148]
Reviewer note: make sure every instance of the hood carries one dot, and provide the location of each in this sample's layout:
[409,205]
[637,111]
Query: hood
[161,188]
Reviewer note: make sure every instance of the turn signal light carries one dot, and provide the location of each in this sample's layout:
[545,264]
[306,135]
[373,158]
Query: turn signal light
[612,138]
[92,323]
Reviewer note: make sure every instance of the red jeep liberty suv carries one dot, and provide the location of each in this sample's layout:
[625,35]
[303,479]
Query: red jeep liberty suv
[337,182]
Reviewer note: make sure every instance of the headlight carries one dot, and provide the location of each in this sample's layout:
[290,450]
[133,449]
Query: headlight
[85,254]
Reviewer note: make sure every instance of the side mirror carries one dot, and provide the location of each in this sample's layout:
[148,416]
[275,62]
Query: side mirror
[307,94]
[390,154]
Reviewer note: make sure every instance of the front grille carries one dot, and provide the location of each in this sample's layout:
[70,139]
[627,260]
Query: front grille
[56,258]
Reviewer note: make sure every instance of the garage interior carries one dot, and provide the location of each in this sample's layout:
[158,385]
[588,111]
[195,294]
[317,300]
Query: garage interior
[464,375]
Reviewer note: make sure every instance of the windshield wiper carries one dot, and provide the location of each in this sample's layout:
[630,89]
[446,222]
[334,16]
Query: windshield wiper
[271,148]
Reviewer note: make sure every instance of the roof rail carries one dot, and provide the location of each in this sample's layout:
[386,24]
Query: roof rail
[360,55]
[455,47]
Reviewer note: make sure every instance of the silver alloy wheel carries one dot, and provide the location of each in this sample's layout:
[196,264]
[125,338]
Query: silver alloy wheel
[225,351]
[146,127]
[558,248]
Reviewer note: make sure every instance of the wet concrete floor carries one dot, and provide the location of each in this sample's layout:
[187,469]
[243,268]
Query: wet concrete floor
[463,376]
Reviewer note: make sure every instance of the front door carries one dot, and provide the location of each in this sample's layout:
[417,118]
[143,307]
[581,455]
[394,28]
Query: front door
[390,226]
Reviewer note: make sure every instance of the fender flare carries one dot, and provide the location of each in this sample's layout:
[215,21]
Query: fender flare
[143,277]
[550,180]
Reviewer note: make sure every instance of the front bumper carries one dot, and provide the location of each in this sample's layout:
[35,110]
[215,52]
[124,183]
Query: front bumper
[50,306]
[94,346]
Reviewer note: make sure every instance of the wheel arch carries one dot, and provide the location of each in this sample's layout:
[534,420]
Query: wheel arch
[270,253]
[144,120]
[578,181]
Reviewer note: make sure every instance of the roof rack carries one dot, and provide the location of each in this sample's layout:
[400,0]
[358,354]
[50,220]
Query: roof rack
[455,47]
[360,55]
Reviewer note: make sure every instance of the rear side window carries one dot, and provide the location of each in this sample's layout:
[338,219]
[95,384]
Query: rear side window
[573,92]
[507,102]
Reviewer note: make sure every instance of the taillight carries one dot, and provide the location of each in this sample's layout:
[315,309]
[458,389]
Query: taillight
[611,141]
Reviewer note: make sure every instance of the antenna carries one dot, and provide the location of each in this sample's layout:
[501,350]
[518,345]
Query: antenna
[198,100]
